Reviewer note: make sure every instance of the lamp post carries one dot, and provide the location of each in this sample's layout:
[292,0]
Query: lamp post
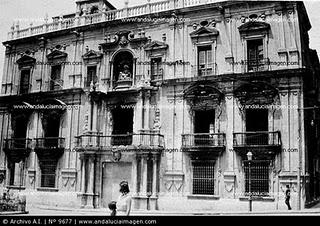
[249,156]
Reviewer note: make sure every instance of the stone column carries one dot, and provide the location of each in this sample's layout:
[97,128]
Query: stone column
[90,184]
[134,176]
[111,74]
[154,176]
[83,175]
[91,175]
[94,116]
[144,171]
[147,110]
[229,131]
[134,72]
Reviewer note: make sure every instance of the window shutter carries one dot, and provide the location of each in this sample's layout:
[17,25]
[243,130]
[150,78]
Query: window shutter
[202,56]
[209,58]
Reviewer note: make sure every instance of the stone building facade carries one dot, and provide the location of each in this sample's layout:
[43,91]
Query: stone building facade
[170,96]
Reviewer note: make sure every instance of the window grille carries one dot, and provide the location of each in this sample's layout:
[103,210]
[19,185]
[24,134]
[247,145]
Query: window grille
[48,173]
[203,178]
[260,177]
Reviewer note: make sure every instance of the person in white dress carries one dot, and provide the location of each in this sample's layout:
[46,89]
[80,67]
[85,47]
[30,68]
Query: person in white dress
[124,200]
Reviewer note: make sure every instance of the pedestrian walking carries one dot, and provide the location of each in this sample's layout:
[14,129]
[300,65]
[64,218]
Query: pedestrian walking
[287,201]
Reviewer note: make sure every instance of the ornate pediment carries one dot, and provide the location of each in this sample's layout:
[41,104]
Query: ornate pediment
[91,54]
[155,45]
[253,26]
[256,93]
[26,60]
[56,54]
[203,96]
[204,31]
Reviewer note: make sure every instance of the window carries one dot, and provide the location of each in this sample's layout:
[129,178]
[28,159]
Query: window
[16,171]
[91,75]
[25,81]
[48,173]
[122,126]
[203,126]
[257,124]
[205,65]
[259,173]
[55,83]
[203,177]
[255,55]
[156,68]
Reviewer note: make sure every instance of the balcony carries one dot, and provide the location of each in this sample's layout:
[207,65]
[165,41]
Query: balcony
[49,146]
[24,88]
[257,64]
[56,84]
[17,149]
[156,75]
[140,141]
[199,142]
[203,70]
[261,143]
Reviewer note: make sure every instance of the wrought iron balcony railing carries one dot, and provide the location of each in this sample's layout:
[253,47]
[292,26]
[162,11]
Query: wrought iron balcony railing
[18,143]
[257,64]
[156,75]
[257,139]
[152,140]
[50,143]
[203,70]
[24,88]
[56,84]
[203,140]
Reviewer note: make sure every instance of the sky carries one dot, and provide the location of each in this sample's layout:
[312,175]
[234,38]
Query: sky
[35,11]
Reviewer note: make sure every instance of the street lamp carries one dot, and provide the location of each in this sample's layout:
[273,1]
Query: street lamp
[249,156]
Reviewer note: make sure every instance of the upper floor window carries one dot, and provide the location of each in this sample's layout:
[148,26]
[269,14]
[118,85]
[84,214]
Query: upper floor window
[205,65]
[25,81]
[254,35]
[91,75]
[156,68]
[255,57]
[55,81]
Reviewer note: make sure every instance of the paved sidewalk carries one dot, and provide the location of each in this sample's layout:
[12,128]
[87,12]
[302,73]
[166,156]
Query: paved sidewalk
[45,210]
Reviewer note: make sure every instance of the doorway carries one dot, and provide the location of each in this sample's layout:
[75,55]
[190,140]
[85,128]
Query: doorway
[257,121]
[122,126]
[203,126]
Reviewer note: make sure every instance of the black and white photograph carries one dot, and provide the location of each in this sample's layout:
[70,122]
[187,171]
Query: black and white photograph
[122,109]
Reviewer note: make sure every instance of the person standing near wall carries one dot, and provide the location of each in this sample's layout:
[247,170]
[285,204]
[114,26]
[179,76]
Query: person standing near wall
[287,198]
[124,200]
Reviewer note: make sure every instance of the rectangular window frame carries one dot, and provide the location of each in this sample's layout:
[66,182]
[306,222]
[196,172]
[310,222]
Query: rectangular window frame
[24,86]
[263,181]
[156,70]
[91,77]
[207,67]
[193,177]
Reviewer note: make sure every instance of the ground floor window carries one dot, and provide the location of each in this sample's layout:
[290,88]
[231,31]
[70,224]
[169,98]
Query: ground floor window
[203,177]
[259,174]
[48,173]
[16,171]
